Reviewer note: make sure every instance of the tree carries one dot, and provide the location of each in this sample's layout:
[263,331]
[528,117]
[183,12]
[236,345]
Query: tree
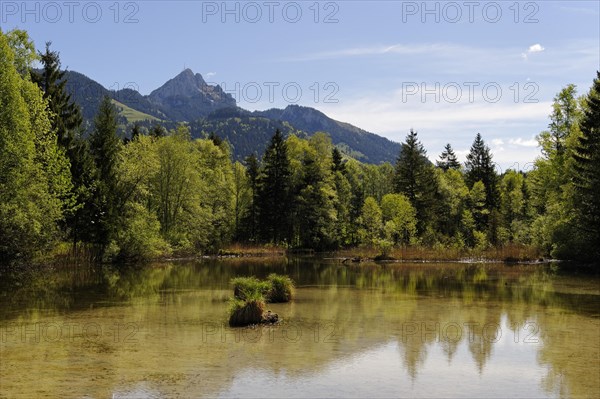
[551,183]
[448,159]
[104,148]
[242,194]
[315,203]
[158,131]
[371,219]
[23,50]
[338,162]
[67,119]
[139,234]
[415,178]
[480,167]
[587,168]
[34,173]
[453,200]
[399,218]
[514,207]
[563,120]
[250,221]
[136,131]
[274,192]
[477,202]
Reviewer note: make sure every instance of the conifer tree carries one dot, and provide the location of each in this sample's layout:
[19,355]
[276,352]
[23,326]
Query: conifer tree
[587,170]
[480,167]
[338,162]
[274,192]
[415,178]
[67,119]
[104,147]
[448,159]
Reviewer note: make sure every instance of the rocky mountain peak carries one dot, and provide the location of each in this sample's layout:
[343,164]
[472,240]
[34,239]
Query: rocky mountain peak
[185,84]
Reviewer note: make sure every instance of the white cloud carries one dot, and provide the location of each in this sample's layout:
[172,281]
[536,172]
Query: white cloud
[497,142]
[534,48]
[210,74]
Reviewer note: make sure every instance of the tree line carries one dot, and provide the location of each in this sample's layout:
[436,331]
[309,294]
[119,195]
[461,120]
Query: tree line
[159,191]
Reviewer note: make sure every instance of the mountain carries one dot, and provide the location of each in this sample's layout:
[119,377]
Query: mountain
[247,133]
[367,147]
[207,109]
[188,97]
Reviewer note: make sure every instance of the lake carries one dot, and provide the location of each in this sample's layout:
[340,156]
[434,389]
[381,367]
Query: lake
[353,330]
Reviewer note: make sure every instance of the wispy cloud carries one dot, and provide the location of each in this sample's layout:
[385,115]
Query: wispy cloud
[400,49]
[524,143]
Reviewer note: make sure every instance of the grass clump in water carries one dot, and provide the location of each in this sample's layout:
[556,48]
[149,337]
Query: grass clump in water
[248,287]
[248,311]
[251,295]
[281,288]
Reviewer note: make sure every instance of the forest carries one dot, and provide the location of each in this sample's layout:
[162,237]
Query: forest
[159,192]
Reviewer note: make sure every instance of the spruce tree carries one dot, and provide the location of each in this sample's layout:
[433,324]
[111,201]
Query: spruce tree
[274,192]
[448,159]
[415,178]
[587,171]
[104,147]
[315,204]
[338,162]
[480,167]
[250,222]
[67,119]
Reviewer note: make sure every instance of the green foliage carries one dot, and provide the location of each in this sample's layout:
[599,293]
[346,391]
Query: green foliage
[415,178]
[448,159]
[166,192]
[281,288]
[371,221]
[139,238]
[454,195]
[480,168]
[23,51]
[106,201]
[587,173]
[274,192]
[245,313]
[245,288]
[316,196]
[34,173]
[399,218]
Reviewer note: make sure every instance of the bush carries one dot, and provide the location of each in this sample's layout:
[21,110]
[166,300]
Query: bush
[281,288]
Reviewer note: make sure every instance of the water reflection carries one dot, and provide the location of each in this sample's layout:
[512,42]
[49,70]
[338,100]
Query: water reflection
[478,330]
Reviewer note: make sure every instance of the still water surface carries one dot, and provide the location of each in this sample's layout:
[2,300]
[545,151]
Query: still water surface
[368,330]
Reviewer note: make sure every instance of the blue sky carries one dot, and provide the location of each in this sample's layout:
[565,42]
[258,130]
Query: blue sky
[446,69]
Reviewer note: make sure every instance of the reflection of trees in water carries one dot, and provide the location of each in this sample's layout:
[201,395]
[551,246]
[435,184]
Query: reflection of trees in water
[368,304]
